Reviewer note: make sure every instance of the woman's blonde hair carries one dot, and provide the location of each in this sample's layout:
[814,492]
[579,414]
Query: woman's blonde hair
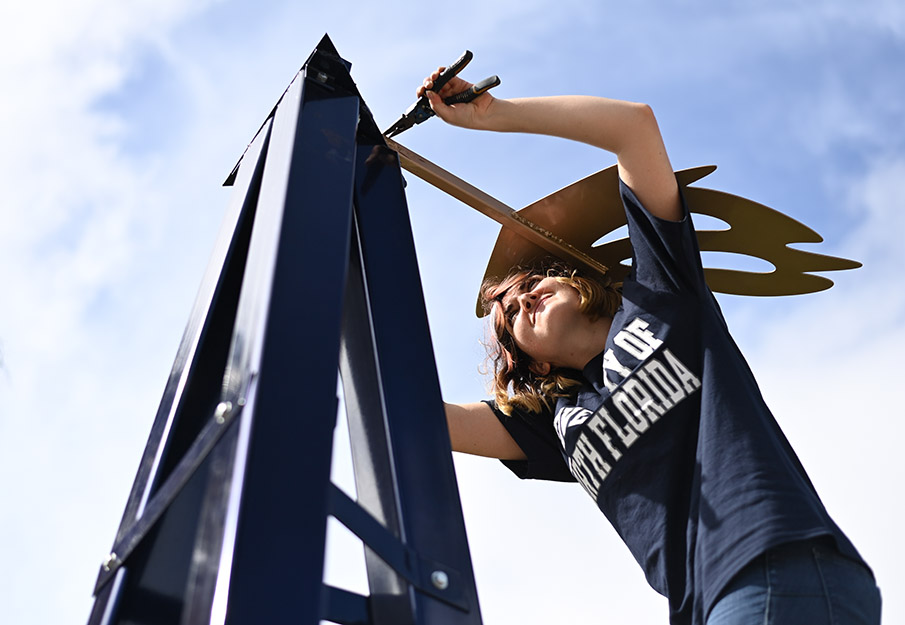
[514,384]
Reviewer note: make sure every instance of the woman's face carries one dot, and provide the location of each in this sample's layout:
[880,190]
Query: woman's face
[544,320]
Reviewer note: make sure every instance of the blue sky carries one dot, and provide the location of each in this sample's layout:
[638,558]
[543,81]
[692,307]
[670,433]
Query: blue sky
[120,120]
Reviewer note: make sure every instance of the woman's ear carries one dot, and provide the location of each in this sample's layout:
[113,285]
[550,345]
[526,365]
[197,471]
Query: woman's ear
[539,368]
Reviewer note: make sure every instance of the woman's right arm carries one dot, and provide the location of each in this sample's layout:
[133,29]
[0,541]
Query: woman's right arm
[474,429]
[627,129]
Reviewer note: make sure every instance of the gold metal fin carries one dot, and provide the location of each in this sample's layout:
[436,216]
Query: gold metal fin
[586,211]
[568,222]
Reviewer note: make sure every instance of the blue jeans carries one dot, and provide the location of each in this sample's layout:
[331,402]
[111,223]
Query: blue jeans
[801,583]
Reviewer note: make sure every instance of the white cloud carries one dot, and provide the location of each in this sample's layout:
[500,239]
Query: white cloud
[79,216]
[879,198]
[78,212]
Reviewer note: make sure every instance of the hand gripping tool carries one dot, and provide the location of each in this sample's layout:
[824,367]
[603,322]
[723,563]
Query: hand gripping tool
[421,110]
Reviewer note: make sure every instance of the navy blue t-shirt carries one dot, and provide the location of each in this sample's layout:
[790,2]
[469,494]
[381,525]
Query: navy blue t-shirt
[670,434]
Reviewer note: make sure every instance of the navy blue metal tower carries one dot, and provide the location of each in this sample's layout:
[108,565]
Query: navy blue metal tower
[226,521]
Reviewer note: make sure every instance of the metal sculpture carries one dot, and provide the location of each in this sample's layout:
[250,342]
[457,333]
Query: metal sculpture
[567,224]
[226,522]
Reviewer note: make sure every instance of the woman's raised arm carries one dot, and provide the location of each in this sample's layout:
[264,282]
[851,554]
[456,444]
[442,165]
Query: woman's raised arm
[627,129]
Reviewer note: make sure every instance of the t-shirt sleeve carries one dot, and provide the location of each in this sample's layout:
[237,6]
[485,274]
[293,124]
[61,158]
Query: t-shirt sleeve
[665,254]
[535,435]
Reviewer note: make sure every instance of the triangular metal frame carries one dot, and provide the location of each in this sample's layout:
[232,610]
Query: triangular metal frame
[226,522]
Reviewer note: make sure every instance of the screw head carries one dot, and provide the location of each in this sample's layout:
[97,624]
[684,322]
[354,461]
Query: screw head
[223,409]
[440,580]
[110,561]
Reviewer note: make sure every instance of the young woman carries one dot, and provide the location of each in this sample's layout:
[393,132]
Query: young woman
[640,394]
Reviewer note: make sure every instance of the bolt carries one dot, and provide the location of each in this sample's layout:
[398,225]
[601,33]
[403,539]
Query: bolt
[440,580]
[223,409]
[321,77]
[241,401]
[110,561]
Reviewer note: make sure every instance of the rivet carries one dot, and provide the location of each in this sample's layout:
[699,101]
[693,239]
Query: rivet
[223,409]
[440,580]
[110,561]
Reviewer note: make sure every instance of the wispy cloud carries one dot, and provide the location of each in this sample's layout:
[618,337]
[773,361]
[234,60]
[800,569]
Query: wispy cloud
[79,214]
